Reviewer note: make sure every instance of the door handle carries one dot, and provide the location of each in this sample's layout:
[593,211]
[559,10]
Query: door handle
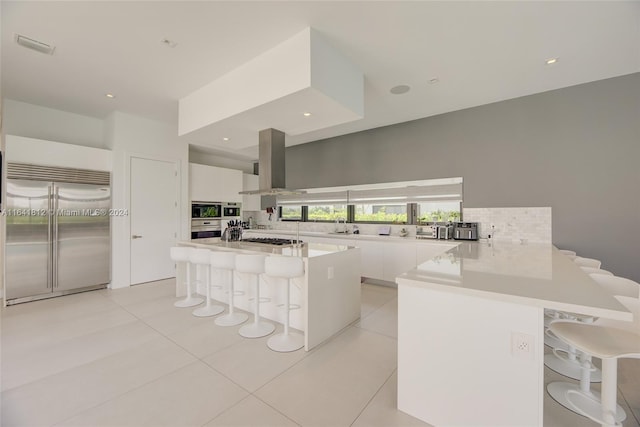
[135,236]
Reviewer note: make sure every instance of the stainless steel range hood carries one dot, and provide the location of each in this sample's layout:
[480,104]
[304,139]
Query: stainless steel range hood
[271,168]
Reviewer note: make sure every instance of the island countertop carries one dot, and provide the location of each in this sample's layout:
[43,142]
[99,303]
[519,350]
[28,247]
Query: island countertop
[473,316]
[530,274]
[308,250]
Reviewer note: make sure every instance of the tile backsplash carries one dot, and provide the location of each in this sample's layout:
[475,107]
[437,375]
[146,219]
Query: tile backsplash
[515,224]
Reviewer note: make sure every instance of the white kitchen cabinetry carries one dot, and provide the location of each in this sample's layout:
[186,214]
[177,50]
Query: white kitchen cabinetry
[399,257]
[250,202]
[214,184]
[372,254]
[384,259]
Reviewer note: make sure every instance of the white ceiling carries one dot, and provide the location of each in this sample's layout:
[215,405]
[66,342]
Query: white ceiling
[481,52]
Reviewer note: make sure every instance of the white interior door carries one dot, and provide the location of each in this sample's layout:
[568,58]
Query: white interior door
[154,222]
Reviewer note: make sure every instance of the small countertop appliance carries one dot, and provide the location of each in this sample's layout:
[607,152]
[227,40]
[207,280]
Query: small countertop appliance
[445,232]
[465,231]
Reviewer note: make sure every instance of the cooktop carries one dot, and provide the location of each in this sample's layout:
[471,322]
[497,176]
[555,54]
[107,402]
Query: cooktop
[271,241]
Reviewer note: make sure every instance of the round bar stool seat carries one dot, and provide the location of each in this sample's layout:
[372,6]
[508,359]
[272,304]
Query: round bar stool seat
[608,340]
[286,268]
[252,264]
[182,254]
[570,254]
[618,286]
[201,258]
[587,262]
[226,261]
[591,270]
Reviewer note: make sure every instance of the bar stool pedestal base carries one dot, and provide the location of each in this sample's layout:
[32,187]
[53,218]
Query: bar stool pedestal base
[589,405]
[285,343]
[188,302]
[231,319]
[256,330]
[208,311]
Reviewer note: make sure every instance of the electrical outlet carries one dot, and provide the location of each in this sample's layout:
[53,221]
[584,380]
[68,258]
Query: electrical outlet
[522,345]
[330,273]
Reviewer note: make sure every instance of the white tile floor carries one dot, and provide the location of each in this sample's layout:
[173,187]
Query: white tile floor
[128,357]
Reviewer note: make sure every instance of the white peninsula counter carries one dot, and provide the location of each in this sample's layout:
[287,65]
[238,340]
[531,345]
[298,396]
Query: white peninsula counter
[470,331]
[328,296]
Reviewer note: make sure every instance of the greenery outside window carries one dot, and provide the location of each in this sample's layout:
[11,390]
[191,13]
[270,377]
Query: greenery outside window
[328,213]
[381,212]
[438,211]
[291,213]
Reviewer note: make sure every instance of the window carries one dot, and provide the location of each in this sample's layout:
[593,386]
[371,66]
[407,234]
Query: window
[327,212]
[379,212]
[438,211]
[290,213]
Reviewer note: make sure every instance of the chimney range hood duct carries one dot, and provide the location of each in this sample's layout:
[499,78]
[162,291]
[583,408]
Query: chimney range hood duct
[271,168]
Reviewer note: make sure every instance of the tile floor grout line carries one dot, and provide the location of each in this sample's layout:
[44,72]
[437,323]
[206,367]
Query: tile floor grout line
[377,333]
[633,413]
[201,359]
[373,397]
[308,353]
[171,339]
[124,393]
[277,410]
[374,311]
[84,363]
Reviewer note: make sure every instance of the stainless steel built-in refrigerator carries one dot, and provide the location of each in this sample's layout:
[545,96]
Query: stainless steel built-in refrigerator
[58,238]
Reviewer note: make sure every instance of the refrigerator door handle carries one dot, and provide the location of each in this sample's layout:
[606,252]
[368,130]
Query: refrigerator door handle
[49,233]
[55,236]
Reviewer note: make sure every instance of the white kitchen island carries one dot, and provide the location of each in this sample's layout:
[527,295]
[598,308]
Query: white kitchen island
[328,296]
[470,331]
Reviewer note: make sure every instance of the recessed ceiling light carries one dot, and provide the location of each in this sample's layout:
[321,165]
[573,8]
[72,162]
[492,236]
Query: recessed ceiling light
[551,61]
[434,81]
[109,95]
[307,114]
[168,43]
[400,89]
[225,139]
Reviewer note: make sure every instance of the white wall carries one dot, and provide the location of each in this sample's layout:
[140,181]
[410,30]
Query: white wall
[19,149]
[201,158]
[39,122]
[130,136]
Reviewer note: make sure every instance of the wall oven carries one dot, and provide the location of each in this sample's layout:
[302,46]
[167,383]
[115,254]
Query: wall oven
[203,228]
[231,210]
[206,210]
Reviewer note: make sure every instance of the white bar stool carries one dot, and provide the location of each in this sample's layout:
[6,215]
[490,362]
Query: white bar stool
[182,254]
[627,292]
[285,268]
[226,261]
[254,265]
[618,286]
[591,270]
[608,340]
[587,262]
[201,258]
[570,254]
[566,359]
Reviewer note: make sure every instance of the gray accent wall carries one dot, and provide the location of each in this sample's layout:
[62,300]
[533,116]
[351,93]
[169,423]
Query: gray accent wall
[575,149]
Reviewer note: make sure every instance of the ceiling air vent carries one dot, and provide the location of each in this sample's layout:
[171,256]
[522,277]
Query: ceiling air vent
[34,44]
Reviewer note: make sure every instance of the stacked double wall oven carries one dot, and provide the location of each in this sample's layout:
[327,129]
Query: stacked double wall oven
[207,218]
